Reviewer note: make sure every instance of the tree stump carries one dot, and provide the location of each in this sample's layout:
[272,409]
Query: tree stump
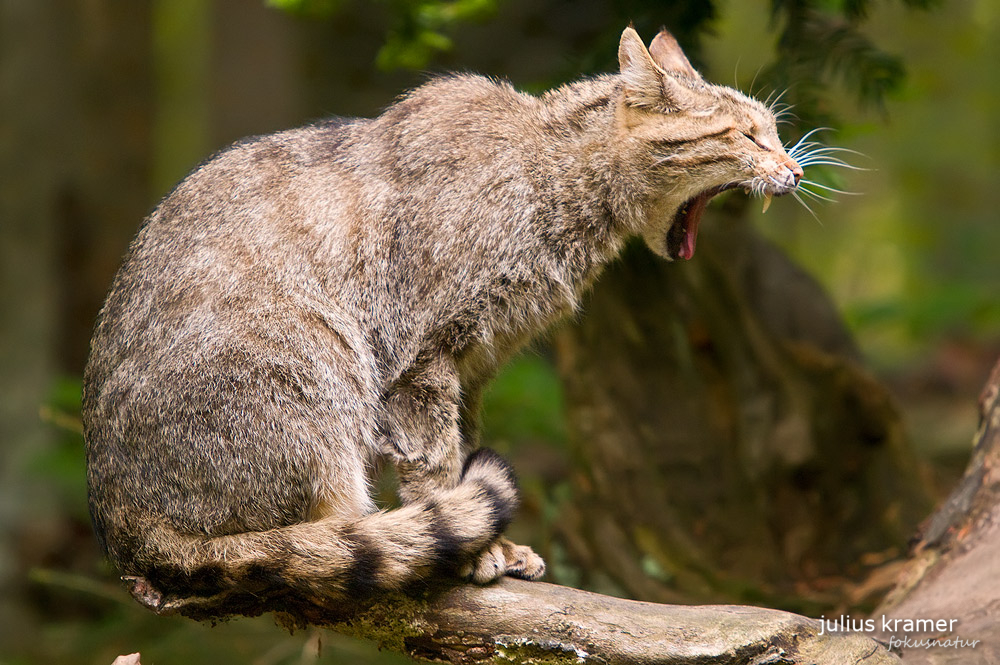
[728,446]
[954,568]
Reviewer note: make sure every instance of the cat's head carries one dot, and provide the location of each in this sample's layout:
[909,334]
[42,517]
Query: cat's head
[700,139]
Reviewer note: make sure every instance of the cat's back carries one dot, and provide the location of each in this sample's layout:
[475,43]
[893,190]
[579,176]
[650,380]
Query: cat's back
[451,119]
[230,260]
[262,193]
[296,205]
[298,228]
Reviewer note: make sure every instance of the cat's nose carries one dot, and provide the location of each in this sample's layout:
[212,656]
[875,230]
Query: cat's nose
[796,170]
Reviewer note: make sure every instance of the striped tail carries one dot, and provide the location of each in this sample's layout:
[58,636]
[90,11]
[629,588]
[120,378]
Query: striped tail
[331,559]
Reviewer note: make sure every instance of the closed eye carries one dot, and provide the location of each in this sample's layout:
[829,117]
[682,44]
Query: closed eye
[756,142]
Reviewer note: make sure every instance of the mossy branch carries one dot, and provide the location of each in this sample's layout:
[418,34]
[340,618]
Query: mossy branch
[514,621]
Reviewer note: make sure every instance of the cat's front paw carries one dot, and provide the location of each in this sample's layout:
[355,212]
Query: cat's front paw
[502,557]
[522,561]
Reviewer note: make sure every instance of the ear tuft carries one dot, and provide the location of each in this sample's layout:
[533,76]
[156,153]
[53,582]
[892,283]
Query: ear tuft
[667,54]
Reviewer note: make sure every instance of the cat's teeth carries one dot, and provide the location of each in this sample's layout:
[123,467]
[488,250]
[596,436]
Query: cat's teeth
[767,202]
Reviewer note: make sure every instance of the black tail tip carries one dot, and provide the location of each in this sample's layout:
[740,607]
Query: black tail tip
[488,459]
[497,485]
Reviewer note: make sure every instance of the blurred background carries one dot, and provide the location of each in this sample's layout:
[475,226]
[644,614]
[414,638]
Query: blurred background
[765,424]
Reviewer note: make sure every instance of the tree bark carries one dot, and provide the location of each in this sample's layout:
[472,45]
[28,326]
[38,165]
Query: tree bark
[954,567]
[728,446]
[513,621]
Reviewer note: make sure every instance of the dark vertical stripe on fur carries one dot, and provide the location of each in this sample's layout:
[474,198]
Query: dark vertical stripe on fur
[205,580]
[362,577]
[448,548]
[501,511]
[266,575]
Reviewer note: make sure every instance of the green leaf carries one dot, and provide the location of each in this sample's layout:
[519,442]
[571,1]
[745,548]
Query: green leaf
[307,8]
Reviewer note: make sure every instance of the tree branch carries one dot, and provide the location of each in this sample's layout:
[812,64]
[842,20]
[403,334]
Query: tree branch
[514,621]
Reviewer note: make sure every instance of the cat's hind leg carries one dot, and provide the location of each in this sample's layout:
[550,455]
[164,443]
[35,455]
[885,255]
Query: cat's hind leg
[424,438]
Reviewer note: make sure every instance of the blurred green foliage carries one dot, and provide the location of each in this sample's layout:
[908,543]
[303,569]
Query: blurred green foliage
[419,29]
[910,260]
[314,9]
[60,464]
[525,404]
[124,627]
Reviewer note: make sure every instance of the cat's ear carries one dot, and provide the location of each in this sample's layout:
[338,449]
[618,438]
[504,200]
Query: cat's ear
[667,54]
[640,75]
[646,85]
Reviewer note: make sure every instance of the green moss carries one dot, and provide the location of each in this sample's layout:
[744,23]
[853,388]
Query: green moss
[530,652]
[388,622]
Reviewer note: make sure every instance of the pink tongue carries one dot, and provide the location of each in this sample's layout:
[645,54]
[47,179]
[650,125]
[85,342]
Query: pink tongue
[687,248]
[691,221]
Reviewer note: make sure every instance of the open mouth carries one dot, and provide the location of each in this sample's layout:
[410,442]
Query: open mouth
[683,233]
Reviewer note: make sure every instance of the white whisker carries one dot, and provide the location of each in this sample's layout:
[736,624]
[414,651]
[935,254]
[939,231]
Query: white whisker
[810,133]
[813,183]
[809,192]
[804,205]
[773,100]
[830,162]
[818,154]
[784,114]
[822,150]
[772,106]
[754,80]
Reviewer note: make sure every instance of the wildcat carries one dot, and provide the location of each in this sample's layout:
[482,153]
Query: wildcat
[308,303]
